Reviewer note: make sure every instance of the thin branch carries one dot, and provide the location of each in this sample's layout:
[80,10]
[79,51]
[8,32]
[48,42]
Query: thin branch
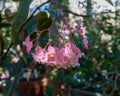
[67,10]
[7,51]
[76,14]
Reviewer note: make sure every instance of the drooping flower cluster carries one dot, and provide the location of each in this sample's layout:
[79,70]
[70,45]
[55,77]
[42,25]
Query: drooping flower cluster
[63,56]
[58,57]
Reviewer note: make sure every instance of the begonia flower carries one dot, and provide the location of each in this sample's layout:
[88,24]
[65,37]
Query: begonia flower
[60,58]
[28,44]
[40,55]
[73,53]
[52,54]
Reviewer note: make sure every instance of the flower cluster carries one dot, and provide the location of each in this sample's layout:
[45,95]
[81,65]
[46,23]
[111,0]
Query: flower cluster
[63,56]
[58,57]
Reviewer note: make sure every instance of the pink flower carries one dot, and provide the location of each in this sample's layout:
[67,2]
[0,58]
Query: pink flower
[72,53]
[77,51]
[68,50]
[52,52]
[40,55]
[55,57]
[60,58]
[28,44]
[74,49]
[85,43]
[65,30]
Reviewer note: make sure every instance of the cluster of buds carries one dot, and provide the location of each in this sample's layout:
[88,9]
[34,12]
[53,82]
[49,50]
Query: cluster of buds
[60,57]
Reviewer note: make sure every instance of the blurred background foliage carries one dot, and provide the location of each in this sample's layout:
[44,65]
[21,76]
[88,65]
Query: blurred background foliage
[99,70]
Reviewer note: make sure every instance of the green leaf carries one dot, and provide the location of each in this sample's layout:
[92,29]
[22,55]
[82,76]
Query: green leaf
[110,2]
[6,64]
[44,21]
[32,24]
[18,66]
[20,17]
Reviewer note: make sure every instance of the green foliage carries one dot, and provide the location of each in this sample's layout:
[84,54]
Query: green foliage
[31,25]
[20,18]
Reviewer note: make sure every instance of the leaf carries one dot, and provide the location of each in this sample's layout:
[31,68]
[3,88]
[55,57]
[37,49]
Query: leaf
[17,67]
[44,21]
[6,64]
[43,38]
[110,2]
[16,71]
[31,24]
[20,17]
